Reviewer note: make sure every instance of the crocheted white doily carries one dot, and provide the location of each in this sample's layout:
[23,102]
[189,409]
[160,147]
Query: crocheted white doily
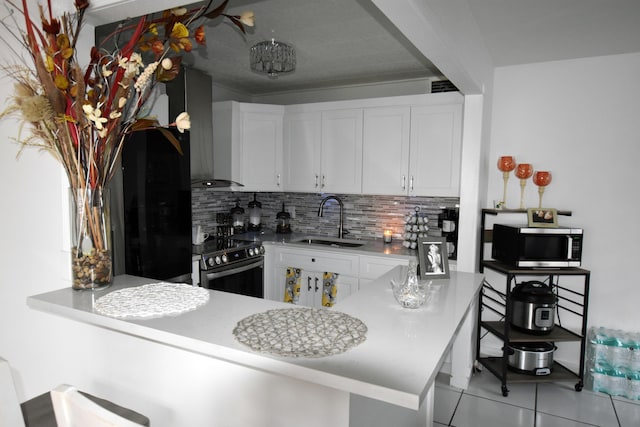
[152,300]
[301,332]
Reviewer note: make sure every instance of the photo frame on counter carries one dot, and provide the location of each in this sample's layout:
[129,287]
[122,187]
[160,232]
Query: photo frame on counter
[433,258]
[542,217]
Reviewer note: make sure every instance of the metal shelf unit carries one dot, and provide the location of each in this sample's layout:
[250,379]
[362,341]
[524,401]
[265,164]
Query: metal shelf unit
[570,301]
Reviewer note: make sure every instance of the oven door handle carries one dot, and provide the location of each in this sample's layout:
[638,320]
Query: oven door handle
[237,270]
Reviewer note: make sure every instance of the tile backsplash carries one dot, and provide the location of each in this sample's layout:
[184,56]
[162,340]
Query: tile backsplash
[365,216]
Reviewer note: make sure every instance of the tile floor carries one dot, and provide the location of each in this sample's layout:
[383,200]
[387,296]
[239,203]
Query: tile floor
[529,405]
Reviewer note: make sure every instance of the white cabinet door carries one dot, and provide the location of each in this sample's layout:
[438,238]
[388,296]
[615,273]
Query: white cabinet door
[247,145]
[372,267]
[341,157]
[312,288]
[385,153]
[301,170]
[261,136]
[435,152]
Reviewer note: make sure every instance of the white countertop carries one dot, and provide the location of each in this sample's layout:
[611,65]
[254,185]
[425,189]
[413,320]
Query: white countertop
[397,363]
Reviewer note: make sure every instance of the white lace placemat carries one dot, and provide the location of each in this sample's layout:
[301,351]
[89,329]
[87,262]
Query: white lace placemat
[152,300]
[301,332]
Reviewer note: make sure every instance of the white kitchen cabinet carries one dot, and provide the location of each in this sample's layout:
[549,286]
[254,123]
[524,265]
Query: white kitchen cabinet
[435,150]
[341,156]
[313,264]
[247,141]
[302,150]
[412,150]
[385,154]
[323,151]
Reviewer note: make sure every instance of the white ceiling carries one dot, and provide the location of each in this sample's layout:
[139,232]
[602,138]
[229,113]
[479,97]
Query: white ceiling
[349,41]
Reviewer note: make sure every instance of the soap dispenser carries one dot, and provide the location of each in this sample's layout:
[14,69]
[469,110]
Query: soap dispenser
[283,221]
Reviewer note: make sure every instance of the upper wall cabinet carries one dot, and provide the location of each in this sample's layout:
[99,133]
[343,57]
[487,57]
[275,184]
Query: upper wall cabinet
[412,150]
[323,151]
[302,151]
[385,153]
[247,145]
[435,151]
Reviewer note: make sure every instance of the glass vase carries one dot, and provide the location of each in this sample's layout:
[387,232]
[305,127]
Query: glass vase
[91,258]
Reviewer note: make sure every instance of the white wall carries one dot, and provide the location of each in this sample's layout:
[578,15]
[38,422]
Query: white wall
[579,120]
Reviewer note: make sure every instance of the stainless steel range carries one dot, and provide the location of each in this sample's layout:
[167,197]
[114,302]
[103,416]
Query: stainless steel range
[232,266]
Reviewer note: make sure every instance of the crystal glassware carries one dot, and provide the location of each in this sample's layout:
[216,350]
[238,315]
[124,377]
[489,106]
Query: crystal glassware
[524,172]
[541,179]
[506,164]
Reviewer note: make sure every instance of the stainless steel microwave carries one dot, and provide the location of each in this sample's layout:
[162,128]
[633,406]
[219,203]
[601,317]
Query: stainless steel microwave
[537,247]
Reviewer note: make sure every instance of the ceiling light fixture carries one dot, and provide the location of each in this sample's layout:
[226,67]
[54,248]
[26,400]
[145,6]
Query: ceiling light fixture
[272,58]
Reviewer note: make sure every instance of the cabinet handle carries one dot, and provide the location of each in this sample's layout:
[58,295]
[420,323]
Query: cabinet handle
[316,284]
[404,182]
[309,283]
[324,178]
[278,180]
[411,183]
[316,182]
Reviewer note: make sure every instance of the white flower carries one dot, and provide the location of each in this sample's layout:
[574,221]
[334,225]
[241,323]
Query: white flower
[178,11]
[94,115]
[183,122]
[122,102]
[247,18]
[114,114]
[167,63]
[145,77]
[105,71]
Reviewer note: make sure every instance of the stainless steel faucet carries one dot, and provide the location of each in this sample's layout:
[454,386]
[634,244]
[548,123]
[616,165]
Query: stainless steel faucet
[321,211]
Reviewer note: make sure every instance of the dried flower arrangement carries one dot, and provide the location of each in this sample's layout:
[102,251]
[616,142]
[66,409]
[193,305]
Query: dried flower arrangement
[83,115]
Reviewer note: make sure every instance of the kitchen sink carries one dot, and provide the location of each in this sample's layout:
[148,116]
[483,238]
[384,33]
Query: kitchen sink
[329,241]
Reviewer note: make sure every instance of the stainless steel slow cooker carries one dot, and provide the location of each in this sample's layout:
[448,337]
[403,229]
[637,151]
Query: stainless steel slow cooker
[534,358]
[533,306]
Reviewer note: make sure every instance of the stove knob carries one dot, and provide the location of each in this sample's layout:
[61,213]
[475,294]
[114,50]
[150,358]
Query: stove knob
[261,250]
[209,262]
[218,260]
[224,258]
[251,252]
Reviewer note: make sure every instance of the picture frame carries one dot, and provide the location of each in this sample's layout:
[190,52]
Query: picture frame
[542,217]
[433,258]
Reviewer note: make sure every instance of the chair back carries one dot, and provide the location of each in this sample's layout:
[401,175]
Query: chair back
[10,412]
[72,409]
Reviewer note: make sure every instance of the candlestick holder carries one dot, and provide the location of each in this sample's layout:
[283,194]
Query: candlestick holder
[505,164]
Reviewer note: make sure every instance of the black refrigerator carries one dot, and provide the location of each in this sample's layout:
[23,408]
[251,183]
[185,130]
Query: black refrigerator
[151,208]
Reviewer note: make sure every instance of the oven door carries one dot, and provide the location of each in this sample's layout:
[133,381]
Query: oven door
[244,278]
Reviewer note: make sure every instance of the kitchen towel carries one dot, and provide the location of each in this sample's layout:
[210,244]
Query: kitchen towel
[329,289]
[292,285]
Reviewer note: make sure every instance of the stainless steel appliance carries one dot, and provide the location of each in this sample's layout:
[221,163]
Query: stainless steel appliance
[533,307]
[534,358]
[232,266]
[537,247]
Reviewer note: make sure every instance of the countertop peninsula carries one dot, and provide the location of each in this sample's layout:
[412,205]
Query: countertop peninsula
[397,363]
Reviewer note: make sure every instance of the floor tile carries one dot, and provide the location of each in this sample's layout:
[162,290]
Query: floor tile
[479,412]
[445,402]
[628,412]
[563,401]
[485,384]
[546,420]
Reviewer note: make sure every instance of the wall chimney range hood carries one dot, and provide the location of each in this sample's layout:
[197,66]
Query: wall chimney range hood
[191,91]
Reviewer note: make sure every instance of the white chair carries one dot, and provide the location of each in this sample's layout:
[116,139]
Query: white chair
[64,406]
[10,413]
[73,409]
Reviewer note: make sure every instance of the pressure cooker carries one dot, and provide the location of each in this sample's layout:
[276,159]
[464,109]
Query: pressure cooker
[533,358]
[533,306]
